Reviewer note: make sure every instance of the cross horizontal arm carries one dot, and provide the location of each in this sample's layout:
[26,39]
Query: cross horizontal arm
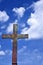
[22,36]
[4,36]
[12,36]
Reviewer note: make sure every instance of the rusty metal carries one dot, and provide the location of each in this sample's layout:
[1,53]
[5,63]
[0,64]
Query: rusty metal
[14,52]
[22,36]
[14,36]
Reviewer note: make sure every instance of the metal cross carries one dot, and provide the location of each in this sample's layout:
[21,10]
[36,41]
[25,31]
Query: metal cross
[14,36]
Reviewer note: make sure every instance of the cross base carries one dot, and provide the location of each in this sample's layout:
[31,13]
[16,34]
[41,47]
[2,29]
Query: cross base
[14,63]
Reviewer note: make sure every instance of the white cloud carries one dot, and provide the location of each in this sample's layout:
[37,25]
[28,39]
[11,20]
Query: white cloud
[3,16]
[22,49]
[10,27]
[19,11]
[16,21]
[22,25]
[36,22]
[9,52]
[30,6]
[2,27]
[2,53]
[6,52]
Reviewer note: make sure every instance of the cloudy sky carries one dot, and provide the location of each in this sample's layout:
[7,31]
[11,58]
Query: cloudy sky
[28,14]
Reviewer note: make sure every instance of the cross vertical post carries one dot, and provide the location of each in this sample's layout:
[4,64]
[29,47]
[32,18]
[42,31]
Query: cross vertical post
[14,52]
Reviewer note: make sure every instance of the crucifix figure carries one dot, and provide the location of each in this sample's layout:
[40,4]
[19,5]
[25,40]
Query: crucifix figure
[14,36]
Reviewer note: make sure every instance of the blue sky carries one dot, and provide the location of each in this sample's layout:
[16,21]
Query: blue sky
[28,14]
